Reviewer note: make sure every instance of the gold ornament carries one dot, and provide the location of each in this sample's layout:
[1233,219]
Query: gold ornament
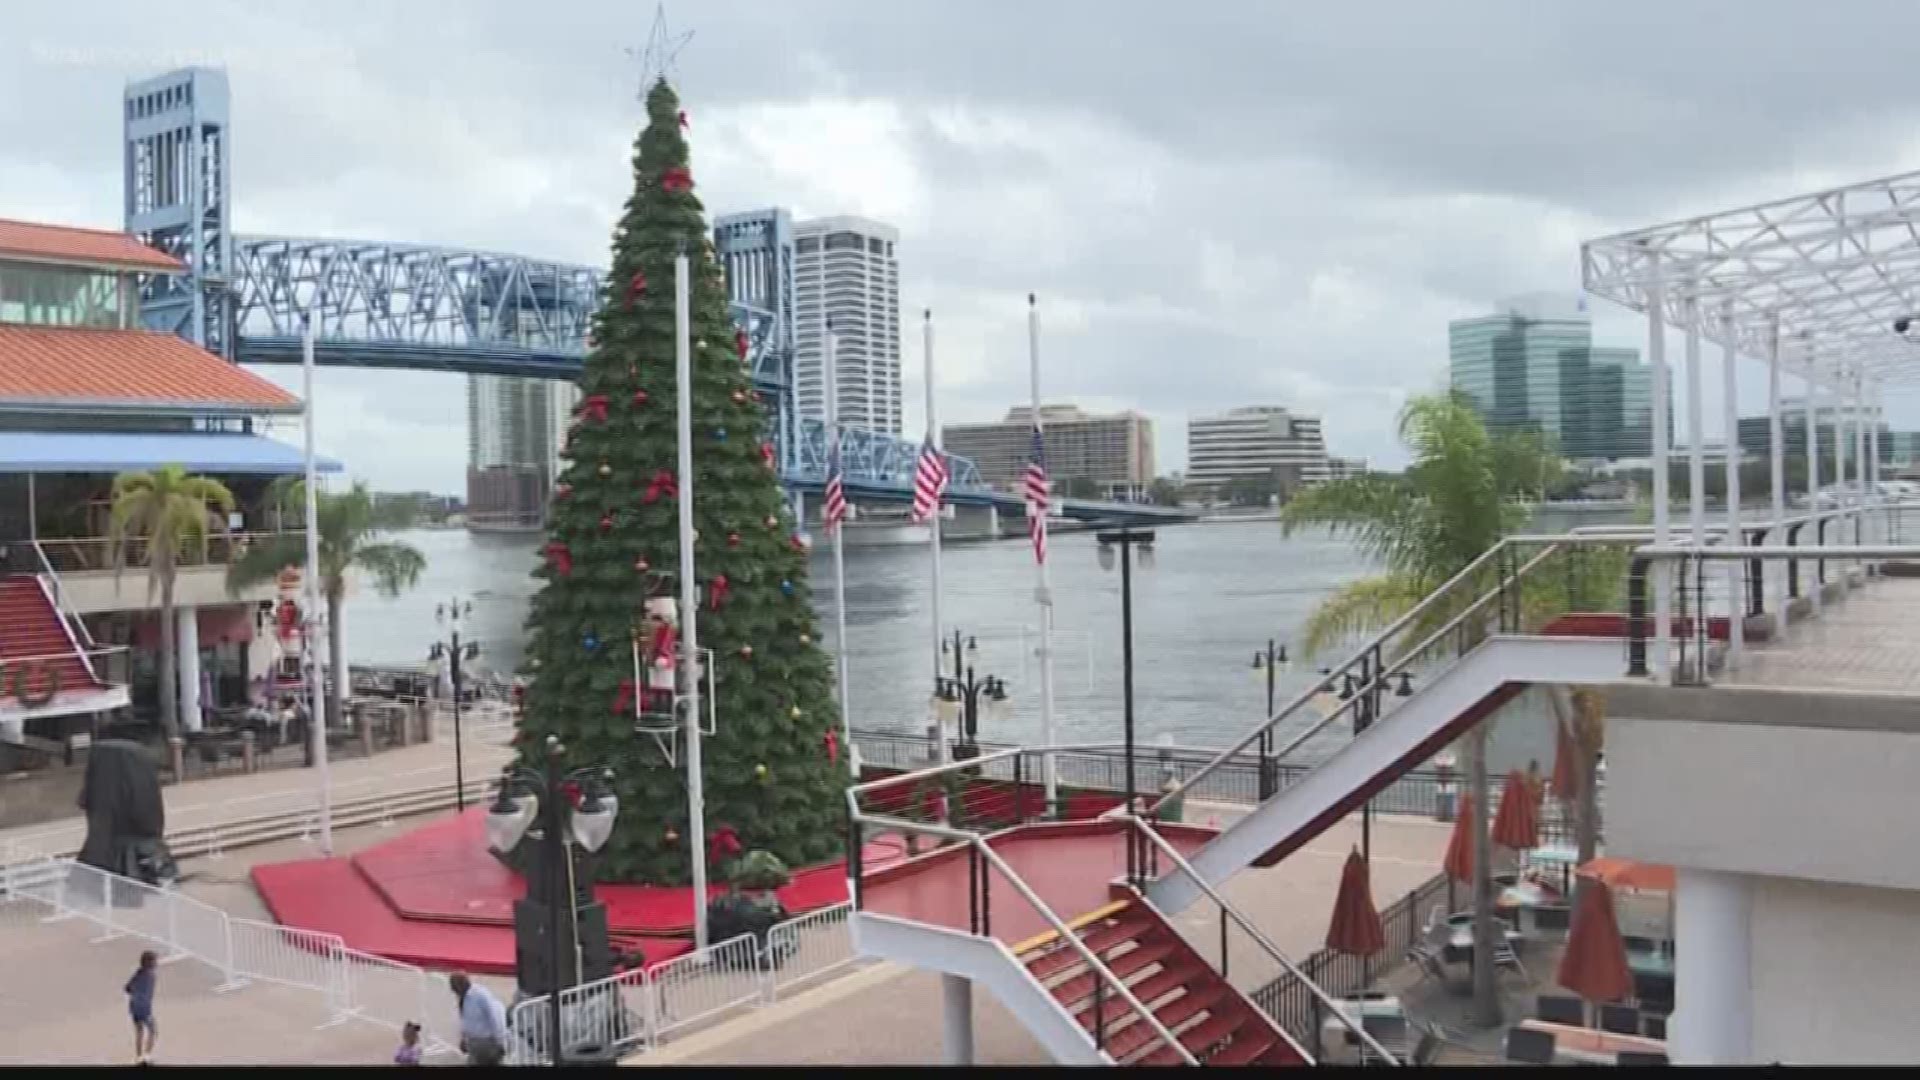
[701,344]
[794,713]
[760,771]
[806,639]
[606,470]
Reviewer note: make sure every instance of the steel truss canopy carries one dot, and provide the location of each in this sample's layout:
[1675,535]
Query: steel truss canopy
[1832,270]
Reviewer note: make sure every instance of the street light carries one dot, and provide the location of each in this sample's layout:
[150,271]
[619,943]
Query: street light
[1270,662]
[1126,538]
[450,615]
[571,808]
[963,696]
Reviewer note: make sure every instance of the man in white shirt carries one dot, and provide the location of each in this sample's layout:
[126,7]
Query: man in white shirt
[483,1021]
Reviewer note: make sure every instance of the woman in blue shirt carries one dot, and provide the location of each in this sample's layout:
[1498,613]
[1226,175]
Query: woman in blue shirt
[140,1004]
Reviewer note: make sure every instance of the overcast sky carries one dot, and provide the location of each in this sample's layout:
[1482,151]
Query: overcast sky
[1219,203]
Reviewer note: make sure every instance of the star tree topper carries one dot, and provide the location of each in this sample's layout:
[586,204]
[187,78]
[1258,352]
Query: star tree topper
[662,49]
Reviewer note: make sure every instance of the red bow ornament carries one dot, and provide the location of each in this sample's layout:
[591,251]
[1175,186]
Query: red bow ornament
[683,118]
[724,844]
[676,179]
[740,343]
[833,747]
[637,285]
[766,454]
[561,557]
[623,700]
[594,408]
[717,590]
[662,484]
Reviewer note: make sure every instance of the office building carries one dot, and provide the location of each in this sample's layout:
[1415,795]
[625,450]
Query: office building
[514,431]
[1112,456]
[845,269]
[1257,442]
[1756,439]
[1532,366]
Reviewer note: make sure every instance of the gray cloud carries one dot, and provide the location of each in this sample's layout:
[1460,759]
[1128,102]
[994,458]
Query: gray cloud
[1219,203]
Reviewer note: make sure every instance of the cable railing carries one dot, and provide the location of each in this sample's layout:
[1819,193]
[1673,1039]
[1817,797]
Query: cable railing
[69,554]
[1159,849]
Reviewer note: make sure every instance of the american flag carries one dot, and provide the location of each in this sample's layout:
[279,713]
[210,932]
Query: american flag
[929,481]
[836,492]
[1036,496]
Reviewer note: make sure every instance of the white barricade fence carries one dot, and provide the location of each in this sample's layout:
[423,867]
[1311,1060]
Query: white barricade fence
[691,988]
[390,993]
[307,959]
[808,946]
[606,1018]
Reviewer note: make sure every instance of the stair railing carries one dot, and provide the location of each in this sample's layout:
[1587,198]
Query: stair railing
[1162,848]
[70,620]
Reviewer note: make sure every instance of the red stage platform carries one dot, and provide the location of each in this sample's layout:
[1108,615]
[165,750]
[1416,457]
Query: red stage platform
[435,897]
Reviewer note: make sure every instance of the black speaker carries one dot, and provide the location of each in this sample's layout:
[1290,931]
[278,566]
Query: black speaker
[533,949]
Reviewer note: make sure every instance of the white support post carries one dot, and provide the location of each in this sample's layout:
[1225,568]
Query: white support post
[933,523]
[186,666]
[956,992]
[1712,1022]
[1043,591]
[312,624]
[1776,470]
[1860,460]
[1662,659]
[842,693]
[1696,431]
[1736,571]
[1812,575]
[689,673]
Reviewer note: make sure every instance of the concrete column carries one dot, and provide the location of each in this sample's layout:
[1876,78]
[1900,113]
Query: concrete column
[1810,534]
[186,639]
[993,521]
[1712,1021]
[957,997]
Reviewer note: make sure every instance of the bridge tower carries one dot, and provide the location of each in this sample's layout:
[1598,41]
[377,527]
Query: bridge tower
[178,191]
[755,249]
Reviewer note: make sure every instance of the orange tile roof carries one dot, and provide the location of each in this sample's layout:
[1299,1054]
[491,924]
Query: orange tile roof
[59,365]
[92,247]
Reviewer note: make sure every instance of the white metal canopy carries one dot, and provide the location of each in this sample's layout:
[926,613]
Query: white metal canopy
[1835,268]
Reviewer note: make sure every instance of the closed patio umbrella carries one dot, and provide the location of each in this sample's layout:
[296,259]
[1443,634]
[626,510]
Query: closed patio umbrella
[1459,861]
[1516,825]
[1566,772]
[1595,963]
[1355,929]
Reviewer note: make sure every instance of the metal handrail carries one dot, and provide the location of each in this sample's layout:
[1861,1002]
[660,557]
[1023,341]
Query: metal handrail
[101,650]
[1393,629]
[976,841]
[1266,944]
[77,627]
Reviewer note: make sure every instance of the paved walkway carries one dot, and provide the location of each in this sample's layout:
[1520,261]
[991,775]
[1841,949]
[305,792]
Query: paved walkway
[889,1015]
[1868,641]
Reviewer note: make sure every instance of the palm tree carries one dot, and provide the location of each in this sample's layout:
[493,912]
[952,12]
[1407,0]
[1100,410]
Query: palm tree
[170,511]
[349,540]
[1464,490]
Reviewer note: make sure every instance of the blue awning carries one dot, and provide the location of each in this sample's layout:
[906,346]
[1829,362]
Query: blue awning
[117,451]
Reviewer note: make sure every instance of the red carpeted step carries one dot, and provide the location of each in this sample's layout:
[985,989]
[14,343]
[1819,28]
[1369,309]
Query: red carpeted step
[1248,1045]
[1100,941]
[1170,977]
[1080,988]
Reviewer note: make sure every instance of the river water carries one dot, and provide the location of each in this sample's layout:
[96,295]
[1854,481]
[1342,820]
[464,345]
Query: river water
[1214,595]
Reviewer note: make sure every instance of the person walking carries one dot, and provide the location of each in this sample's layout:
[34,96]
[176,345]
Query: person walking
[139,990]
[483,1021]
[408,1052]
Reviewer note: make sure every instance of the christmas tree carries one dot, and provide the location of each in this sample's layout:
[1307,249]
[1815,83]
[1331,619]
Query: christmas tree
[774,776]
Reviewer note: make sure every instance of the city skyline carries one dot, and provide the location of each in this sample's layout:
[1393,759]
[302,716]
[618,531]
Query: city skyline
[1321,275]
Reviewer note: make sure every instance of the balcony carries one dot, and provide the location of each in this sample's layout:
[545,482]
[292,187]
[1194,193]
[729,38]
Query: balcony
[90,585]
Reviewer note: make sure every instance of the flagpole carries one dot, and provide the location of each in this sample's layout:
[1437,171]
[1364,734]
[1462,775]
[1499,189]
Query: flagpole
[933,440]
[1043,594]
[317,729]
[689,594]
[839,530]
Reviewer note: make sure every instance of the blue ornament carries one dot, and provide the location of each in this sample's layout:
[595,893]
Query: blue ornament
[719,434]
[591,642]
[786,586]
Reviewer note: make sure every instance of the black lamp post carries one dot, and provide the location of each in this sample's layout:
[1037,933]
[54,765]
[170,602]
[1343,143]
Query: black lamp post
[449,615]
[1270,662]
[1126,538]
[964,694]
[1365,711]
[575,807]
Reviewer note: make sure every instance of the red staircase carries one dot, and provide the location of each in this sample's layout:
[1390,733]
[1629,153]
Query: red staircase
[1214,1021]
[30,627]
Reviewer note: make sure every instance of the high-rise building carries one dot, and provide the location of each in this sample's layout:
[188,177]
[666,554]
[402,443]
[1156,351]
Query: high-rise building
[1532,366]
[845,269]
[1112,454]
[1257,442]
[1756,438]
[514,431]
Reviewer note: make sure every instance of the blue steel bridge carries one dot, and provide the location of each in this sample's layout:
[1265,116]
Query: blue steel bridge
[418,307]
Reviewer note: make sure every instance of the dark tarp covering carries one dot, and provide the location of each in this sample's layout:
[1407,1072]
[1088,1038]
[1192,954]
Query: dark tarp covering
[126,817]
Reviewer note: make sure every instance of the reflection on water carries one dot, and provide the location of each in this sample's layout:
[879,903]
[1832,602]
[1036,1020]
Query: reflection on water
[1214,596]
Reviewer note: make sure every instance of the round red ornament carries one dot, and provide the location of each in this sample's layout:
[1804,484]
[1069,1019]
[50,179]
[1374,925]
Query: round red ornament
[639,398]
[733,539]
[642,565]
[746,652]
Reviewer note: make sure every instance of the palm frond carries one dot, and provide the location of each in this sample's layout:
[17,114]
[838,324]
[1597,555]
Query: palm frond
[394,566]
[263,560]
[1364,604]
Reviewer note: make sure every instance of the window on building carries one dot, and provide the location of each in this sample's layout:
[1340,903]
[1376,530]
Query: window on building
[60,296]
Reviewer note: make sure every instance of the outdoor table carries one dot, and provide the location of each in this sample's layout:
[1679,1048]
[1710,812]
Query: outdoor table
[1460,936]
[1591,1044]
[1558,857]
[1370,1011]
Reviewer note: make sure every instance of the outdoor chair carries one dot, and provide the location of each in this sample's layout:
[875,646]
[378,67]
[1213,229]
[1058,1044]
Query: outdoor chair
[1620,1019]
[1631,1058]
[1640,944]
[1530,1047]
[1428,962]
[1505,957]
[1560,1009]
